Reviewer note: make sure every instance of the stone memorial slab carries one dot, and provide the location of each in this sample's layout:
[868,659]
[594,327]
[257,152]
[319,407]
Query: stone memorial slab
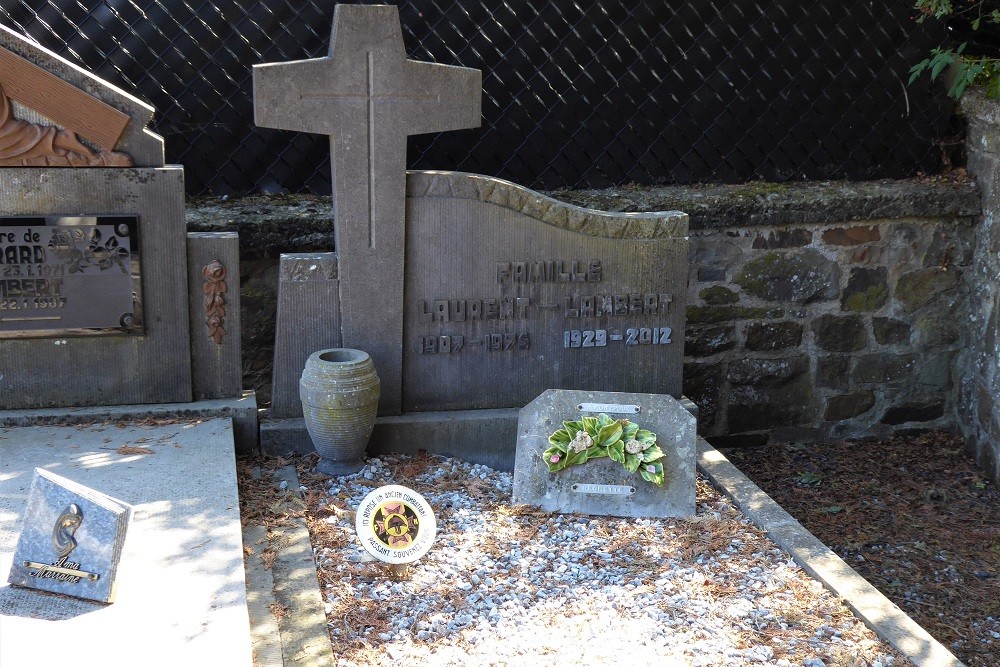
[93,254]
[484,294]
[71,541]
[368,97]
[602,486]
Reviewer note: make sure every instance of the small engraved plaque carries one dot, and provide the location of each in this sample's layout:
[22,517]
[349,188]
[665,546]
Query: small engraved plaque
[609,408]
[69,276]
[604,489]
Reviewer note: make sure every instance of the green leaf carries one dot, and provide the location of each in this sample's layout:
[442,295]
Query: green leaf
[603,420]
[609,434]
[656,476]
[645,437]
[939,62]
[632,462]
[975,24]
[652,454]
[576,458]
[597,452]
[573,428]
[616,452]
[560,464]
[560,438]
[590,425]
[629,429]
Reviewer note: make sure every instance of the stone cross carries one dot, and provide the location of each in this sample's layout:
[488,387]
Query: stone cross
[368,97]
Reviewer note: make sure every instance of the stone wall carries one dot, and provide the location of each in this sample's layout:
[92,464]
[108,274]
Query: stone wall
[822,309]
[979,381]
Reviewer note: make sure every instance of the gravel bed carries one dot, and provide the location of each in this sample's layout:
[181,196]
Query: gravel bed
[504,584]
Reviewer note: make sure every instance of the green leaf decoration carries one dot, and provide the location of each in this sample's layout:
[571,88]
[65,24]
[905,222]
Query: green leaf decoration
[645,437]
[616,452]
[609,434]
[561,463]
[651,454]
[655,476]
[561,438]
[597,452]
[609,437]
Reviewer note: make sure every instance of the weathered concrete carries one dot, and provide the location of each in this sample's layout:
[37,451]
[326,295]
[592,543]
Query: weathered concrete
[215,366]
[122,369]
[242,411]
[368,97]
[308,320]
[181,590]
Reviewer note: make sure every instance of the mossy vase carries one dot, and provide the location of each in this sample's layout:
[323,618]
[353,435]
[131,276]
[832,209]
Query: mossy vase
[339,390]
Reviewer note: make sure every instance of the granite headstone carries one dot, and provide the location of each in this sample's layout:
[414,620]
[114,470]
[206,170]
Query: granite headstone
[71,540]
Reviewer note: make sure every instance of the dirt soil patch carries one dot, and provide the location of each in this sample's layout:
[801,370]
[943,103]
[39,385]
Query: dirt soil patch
[914,515]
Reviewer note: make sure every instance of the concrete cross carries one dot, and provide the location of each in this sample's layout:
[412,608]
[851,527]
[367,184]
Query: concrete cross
[368,97]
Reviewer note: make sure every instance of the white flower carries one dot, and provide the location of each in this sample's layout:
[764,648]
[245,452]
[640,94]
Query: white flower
[582,442]
[633,446]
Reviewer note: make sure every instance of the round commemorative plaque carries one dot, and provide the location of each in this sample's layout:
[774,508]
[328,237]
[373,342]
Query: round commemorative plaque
[395,524]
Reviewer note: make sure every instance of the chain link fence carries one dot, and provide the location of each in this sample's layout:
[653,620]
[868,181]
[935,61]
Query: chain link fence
[577,93]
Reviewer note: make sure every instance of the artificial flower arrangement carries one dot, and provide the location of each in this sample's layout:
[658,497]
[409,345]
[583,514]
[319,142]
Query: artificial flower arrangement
[603,437]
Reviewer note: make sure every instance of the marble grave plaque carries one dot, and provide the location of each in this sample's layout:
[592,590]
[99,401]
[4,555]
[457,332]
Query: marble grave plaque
[71,540]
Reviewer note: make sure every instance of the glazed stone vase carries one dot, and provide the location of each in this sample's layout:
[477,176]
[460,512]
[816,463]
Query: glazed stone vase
[339,390]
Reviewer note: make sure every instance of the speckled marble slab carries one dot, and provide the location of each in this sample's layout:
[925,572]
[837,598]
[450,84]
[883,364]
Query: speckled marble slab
[71,540]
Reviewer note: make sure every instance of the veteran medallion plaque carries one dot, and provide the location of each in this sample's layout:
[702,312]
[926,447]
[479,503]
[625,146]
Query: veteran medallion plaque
[71,540]
[395,524]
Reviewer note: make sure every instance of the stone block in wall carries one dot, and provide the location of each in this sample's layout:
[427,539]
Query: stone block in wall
[867,290]
[706,341]
[889,331]
[848,406]
[770,336]
[840,334]
[916,288]
[799,277]
[716,314]
[767,372]
[833,371]
[949,247]
[882,367]
[752,408]
[854,235]
[717,295]
[782,238]
[923,411]
[702,384]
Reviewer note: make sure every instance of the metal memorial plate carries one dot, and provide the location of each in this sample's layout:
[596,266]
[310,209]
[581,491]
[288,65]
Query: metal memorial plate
[69,276]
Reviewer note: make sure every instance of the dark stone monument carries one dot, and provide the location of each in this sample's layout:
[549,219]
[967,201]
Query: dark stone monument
[484,294]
